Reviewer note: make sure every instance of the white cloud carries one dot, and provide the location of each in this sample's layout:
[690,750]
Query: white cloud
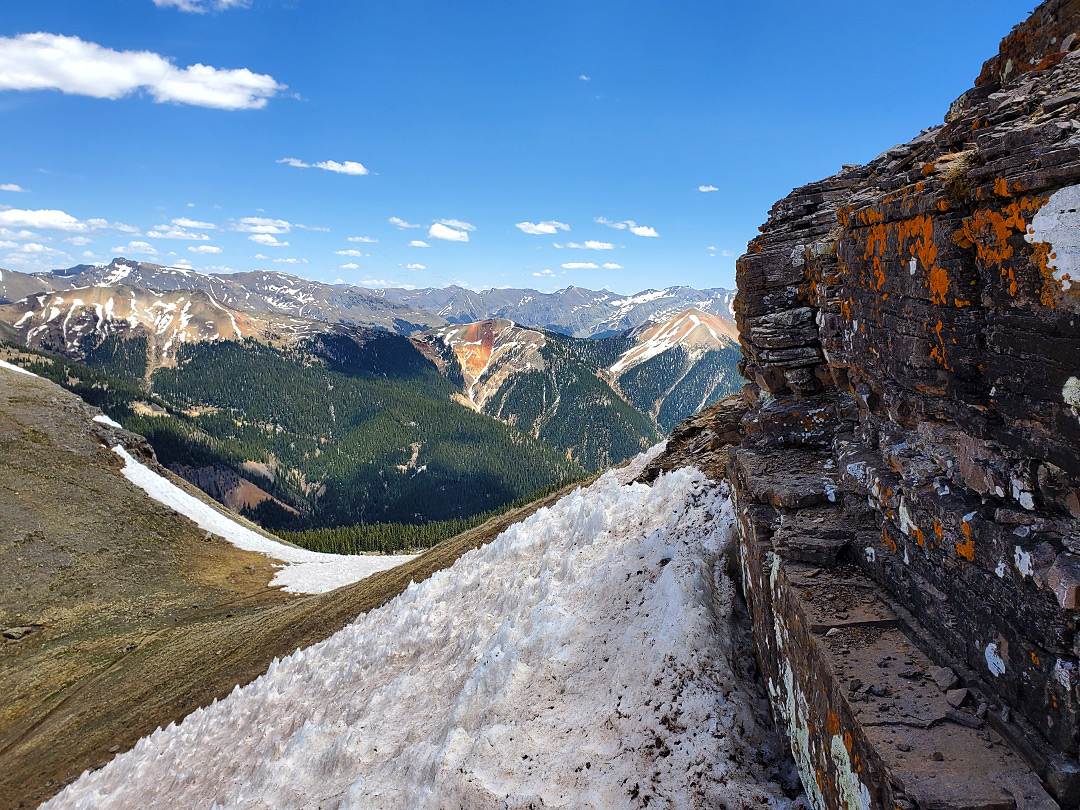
[350,266]
[418,243]
[448,234]
[400,223]
[202,6]
[205,250]
[267,240]
[457,223]
[318,228]
[612,266]
[362,239]
[33,247]
[580,266]
[547,228]
[621,226]
[707,189]
[11,187]
[262,256]
[381,282]
[415,267]
[642,230]
[583,77]
[262,225]
[165,232]
[54,62]
[45,219]
[727,253]
[348,253]
[184,222]
[591,244]
[346,167]
[131,248]
[291,261]
[543,273]
[79,241]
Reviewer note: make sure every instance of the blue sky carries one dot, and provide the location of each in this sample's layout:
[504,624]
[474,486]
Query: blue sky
[500,129]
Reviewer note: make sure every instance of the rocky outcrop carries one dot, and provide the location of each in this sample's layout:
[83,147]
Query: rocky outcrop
[908,480]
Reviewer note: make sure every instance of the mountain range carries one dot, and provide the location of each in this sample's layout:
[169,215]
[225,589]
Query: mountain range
[311,405]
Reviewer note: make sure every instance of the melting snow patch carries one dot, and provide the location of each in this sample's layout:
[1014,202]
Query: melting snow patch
[305,571]
[13,367]
[105,420]
[586,658]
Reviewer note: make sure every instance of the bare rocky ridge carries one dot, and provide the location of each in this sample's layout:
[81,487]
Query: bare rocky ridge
[907,468]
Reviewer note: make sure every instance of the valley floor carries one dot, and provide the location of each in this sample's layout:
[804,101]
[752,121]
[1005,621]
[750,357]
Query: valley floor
[593,655]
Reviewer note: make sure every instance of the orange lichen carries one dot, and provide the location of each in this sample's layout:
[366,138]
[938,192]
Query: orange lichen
[966,550]
[1001,187]
[888,541]
[1035,659]
[832,725]
[939,530]
[920,538]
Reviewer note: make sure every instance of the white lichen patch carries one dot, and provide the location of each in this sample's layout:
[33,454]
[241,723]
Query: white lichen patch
[1058,224]
[852,790]
[994,661]
[1022,560]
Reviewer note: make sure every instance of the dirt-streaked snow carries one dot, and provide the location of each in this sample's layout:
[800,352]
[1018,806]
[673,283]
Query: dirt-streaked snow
[305,571]
[586,658]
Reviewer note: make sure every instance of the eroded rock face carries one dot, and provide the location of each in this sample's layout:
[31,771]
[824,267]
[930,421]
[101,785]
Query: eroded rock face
[912,328]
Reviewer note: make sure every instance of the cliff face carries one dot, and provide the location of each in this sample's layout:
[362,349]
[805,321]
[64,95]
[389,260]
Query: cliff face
[908,481]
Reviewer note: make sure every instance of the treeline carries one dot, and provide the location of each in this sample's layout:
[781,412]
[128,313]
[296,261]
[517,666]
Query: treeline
[398,538]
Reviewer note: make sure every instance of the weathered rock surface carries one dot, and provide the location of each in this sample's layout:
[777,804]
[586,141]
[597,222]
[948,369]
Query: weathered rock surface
[907,478]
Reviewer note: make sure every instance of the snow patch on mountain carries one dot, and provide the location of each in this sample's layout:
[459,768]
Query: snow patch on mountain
[586,658]
[304,572]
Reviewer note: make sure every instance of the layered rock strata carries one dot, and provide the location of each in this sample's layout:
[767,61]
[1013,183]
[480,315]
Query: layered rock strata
[908,474]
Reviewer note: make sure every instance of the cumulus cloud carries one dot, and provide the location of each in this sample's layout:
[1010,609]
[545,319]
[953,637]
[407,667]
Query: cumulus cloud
[446,233]
[262,225]
[620,226]
[642,230]
[205,250]
[727,253]
[350,266]
[415,267]
[583,77]
[345,167]
[319,228]
[546,228]
[707,189]
[590,244]
[79,241]
[457,223]
[44,219]
[418,243]
[543,273]
[54,62]
[184,222]
[381,282]
[400,223]
[135,248]
[291,261]
[612,266]
[167,232]
[202,6]
[362,239]
[11,187]
[267,240]
[348,253]
[580,266]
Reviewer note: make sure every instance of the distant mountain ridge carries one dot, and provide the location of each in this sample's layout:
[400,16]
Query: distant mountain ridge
[574,311]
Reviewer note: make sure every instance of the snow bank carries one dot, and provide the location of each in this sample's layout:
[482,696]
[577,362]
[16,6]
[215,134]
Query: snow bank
[305,571]
[105,419]
[586,658]
[13,367]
